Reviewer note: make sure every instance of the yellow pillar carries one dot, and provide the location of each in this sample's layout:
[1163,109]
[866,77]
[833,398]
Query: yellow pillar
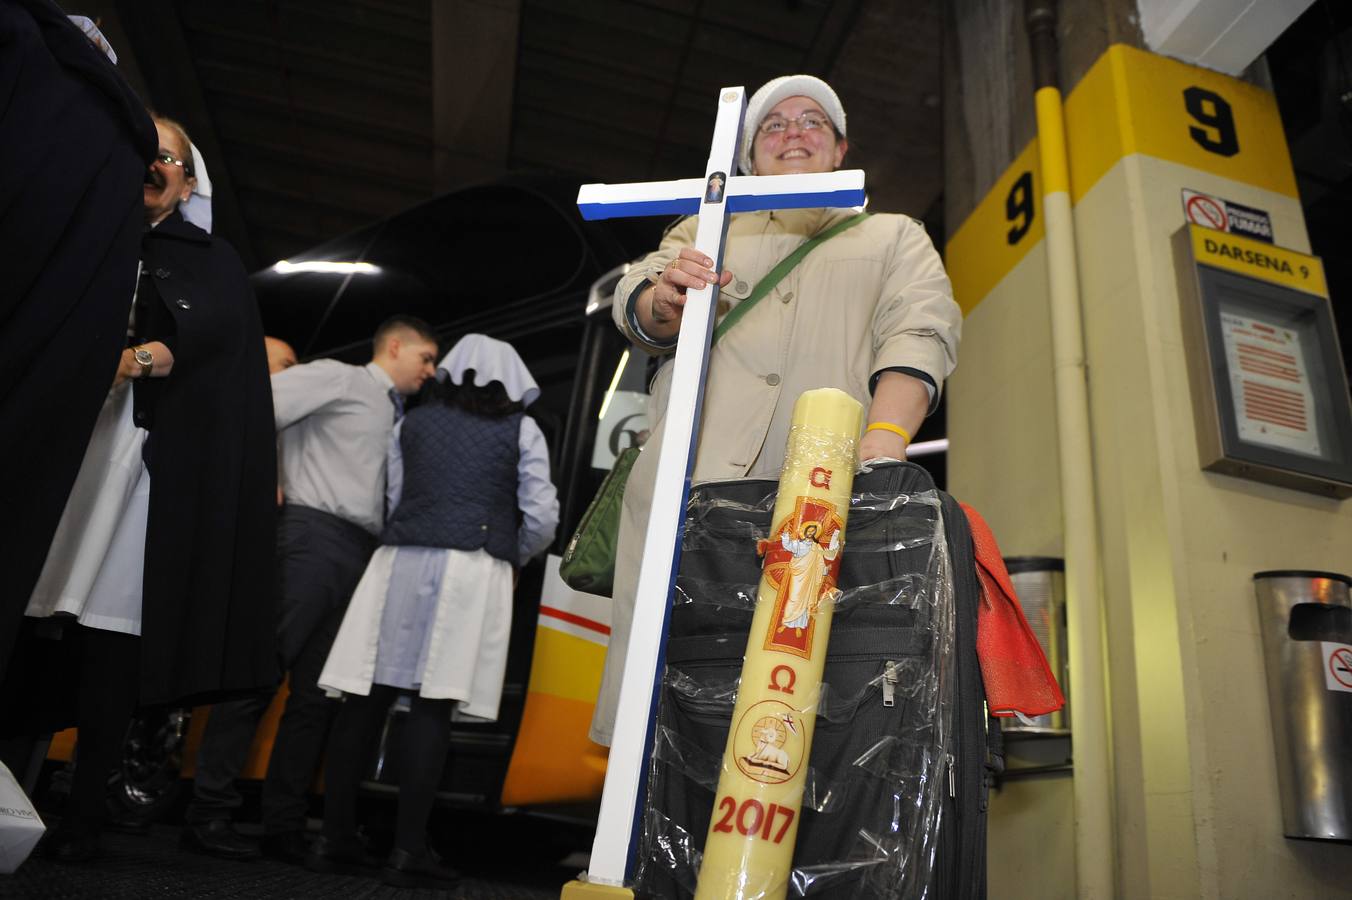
[1094,845]
[1194,802]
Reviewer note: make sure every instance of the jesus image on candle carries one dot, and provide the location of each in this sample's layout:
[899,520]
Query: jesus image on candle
[807,575]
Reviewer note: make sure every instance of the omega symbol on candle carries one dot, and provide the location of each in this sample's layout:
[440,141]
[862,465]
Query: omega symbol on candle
[784,685]
[820,477]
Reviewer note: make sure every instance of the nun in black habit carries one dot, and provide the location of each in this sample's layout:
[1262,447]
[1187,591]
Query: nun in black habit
[158,585]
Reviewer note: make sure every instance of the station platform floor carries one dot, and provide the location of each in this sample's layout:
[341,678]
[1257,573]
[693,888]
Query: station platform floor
[153,865]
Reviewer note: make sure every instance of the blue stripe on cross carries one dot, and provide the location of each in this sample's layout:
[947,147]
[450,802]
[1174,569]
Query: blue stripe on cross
[712,198]
[745,193]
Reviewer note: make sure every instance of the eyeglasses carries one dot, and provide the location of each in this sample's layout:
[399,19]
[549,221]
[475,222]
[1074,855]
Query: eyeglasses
[170,160]
[808,121]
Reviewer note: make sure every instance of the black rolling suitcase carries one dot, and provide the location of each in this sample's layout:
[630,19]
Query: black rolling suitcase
[904,752]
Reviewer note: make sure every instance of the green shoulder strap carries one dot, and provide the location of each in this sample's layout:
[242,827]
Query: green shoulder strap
[775,275]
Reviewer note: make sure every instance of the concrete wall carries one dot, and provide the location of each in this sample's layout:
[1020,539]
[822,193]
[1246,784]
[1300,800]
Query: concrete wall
[988,84]
[1198,809]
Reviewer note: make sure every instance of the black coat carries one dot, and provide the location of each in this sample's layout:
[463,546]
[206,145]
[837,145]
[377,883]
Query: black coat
[207,620]
[74,145]
[208,601]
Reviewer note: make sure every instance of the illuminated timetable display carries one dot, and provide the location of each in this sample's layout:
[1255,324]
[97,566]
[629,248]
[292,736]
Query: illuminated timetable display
[1269,391]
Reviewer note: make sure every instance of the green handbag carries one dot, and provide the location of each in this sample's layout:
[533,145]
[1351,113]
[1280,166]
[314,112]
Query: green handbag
[589,560]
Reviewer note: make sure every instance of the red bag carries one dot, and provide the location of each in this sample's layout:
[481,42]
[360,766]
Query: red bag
[1013,666]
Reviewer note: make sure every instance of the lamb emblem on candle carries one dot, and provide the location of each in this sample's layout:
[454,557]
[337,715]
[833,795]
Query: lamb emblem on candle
[769,742]
[770,734]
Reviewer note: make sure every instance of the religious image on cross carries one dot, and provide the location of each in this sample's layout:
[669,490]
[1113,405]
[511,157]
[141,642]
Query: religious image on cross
[713,193]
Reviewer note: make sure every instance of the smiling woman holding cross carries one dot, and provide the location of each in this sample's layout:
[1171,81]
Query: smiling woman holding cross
[868,310]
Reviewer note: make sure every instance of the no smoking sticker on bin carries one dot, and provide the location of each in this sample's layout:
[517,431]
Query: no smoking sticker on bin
[1337,666]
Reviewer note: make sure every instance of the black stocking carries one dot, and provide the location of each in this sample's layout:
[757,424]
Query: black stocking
[109,667]
[351,742]
[426,740]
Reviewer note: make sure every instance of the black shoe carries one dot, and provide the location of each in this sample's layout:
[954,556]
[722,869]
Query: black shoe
[341,857]
[218,837]
[287,846]
[71,844]
[404,869]
[127,822]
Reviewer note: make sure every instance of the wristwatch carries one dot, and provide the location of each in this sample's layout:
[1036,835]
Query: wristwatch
[144,360]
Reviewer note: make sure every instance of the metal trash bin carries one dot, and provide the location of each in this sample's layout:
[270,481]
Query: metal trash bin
[1040,584]
[1306,621]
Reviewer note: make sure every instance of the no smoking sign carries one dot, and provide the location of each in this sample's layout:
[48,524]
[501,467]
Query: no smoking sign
[1205,211]
[1337,666]
[1227,215]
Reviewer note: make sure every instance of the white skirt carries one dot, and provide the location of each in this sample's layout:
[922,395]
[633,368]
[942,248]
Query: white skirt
[96,563]
[430,619]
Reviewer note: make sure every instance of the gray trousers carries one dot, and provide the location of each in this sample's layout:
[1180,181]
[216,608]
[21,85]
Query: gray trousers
[320,560]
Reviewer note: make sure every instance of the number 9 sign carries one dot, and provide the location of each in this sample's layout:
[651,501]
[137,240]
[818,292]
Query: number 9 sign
[1211,110]
[1019,205]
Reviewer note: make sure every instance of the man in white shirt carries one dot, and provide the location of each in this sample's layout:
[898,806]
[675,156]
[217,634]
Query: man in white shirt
[334,424]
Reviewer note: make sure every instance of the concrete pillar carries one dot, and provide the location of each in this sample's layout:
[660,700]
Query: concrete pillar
[1196,810]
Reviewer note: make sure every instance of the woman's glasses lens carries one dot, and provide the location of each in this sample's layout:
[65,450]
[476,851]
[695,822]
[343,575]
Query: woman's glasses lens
[779,124]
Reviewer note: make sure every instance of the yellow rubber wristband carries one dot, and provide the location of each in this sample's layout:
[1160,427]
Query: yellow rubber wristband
[888,426]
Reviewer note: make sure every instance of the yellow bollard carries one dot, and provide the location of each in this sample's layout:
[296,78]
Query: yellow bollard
[749,849]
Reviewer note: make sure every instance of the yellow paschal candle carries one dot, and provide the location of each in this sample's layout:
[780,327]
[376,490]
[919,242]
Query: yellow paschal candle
[749,849]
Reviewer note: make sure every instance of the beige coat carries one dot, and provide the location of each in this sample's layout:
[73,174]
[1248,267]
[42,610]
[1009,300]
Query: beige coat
[873,297]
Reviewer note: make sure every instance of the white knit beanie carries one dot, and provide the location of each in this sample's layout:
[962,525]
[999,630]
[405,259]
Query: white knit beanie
[781,88]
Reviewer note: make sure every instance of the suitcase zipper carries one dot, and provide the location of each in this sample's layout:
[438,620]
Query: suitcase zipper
[890,684]
[952,778]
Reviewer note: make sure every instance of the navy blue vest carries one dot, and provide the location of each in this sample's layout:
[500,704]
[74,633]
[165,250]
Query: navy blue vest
[459,482]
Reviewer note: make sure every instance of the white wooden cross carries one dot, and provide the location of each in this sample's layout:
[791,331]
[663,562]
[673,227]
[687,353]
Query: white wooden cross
[712,198]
